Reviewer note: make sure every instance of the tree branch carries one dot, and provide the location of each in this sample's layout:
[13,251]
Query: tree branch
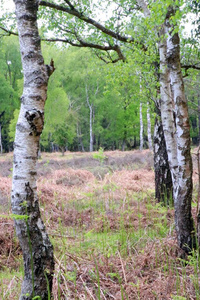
[186,67]
[8,31]
[84,44]
[81,16]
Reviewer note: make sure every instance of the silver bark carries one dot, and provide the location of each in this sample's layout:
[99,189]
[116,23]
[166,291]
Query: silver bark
[36,246]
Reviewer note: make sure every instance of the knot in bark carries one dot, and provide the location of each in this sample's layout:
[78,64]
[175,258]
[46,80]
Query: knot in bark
[35,118]
[50,68]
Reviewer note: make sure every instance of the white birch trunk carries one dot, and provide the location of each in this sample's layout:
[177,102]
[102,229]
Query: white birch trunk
[141,128]
[177,134]
[91,118]
[149,127]
[167,110]
[183,194]
[163,180]
[36,247]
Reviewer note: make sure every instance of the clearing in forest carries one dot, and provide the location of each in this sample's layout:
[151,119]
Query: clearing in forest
[111,239]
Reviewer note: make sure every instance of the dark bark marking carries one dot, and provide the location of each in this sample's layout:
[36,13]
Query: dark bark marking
[33,173]
[16,177]
[36,97]
[21,127]
[35,119]
[28,18]
[31,157]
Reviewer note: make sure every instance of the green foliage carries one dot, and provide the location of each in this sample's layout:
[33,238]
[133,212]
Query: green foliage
[12,125]
[99,155]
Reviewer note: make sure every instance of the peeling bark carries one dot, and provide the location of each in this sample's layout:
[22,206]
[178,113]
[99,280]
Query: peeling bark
[163,180]
[174,112]
[34,241]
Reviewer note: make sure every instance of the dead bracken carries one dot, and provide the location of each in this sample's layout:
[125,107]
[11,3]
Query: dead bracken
[111,239]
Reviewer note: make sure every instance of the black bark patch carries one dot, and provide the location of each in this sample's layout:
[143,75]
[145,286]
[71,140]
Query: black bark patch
[22,99]
[35,119]
[33,173]
[31,157]
[28,18]
[16,177]
[36,97]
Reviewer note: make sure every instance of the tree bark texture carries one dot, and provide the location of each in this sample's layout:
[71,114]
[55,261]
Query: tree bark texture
[91,118]
[149,127]
[34,241]
[163,180]
[174,112]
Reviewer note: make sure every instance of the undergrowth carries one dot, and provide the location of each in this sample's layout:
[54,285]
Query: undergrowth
[111,239]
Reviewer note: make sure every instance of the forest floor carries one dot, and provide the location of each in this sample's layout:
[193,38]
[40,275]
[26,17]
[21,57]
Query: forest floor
[112,240]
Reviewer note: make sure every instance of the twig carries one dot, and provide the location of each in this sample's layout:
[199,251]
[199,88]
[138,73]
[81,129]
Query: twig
[122,267]
[101,291]
[59,264]
[87,290]
[62,236]
[9,286]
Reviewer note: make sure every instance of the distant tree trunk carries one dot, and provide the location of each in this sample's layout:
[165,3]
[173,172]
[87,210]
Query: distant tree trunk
[80,141]
[177,133]
[36,246]
[149,127]
[1,146]
[91,118]
[199,118]
[141,128]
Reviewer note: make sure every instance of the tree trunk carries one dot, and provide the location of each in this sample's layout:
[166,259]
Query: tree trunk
[91,118]
[149,127]
[36,246]
[141,128]
[1,146]
[199,119]
[80,140]
[177,134]
[163,180]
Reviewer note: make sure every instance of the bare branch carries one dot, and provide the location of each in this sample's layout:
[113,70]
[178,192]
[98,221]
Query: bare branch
[186,67]
[69,3]
[8,31]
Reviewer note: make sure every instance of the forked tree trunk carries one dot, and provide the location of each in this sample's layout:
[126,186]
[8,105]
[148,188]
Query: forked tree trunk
[177,135]
[36,246]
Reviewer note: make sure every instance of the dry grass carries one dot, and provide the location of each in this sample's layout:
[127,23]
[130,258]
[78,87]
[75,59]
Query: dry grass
[111,240]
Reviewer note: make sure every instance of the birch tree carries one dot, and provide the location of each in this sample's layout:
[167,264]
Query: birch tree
[149,127]
[141,128]
[107,37]
[179,145]
[36,246]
